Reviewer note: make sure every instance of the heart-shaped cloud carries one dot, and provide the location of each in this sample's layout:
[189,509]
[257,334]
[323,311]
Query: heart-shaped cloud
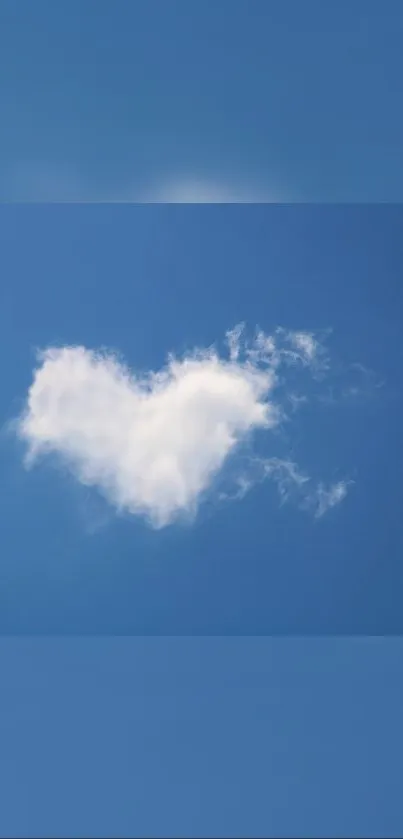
[152,444]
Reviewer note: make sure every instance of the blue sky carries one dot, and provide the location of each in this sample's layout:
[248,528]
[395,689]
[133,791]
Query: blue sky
[147,281]
[201,737]
[188,101]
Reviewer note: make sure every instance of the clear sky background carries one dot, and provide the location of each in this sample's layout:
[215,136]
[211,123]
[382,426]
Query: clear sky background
[190,101]
[201,737]
[151,280]
[182,734]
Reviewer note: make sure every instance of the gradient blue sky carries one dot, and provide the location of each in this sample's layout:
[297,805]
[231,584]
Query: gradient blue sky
[155,279]
[201,737]
[125,99]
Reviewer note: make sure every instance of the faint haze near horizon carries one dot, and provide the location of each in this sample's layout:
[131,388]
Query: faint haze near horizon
[42,183]
[190,103]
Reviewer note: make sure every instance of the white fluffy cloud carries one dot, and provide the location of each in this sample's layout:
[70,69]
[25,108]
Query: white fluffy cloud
[153,443]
